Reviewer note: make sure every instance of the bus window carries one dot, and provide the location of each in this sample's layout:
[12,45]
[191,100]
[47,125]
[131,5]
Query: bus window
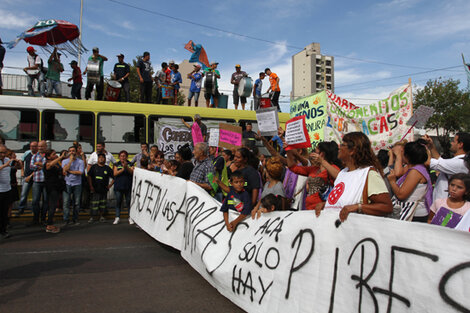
[19,128]
[63,128]
[121,132]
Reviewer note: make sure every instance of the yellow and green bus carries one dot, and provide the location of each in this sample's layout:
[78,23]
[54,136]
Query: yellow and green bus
[122,125]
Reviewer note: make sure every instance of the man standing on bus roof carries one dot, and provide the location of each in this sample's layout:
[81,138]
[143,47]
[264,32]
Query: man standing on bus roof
[2,57]
[144,70]
[258,89]
[274,81]
[96,57]
[122,71]
[160,80]
[77,81]
[34,70]
[236,77]
[213,92]
[54,68]
[196,82]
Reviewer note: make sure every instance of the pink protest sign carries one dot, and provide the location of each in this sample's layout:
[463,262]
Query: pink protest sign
[196,133]
[230,136]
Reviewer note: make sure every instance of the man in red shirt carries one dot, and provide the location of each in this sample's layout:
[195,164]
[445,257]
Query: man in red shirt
[77,80]
[274,81]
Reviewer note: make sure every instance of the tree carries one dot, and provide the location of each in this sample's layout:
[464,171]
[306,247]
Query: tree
[451,109]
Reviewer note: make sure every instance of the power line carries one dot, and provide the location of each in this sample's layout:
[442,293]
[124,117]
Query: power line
[256,38]
[400,76]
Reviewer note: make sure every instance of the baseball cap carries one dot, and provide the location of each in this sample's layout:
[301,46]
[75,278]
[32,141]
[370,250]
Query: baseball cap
[238,65]
[214,63]
[30,49]
[197,65]
[171,62]
[73,62]
[197,117]
[120,55]
[96,49]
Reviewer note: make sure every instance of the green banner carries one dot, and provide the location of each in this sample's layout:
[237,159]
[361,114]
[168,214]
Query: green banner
[314,109]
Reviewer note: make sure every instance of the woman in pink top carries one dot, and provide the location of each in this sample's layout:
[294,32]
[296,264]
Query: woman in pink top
[459,194]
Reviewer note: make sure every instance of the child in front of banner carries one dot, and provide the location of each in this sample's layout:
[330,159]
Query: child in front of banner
[98,180]
[237,199]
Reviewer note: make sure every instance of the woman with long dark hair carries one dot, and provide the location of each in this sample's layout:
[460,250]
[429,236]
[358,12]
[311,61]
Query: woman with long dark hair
[359,187]
[414,188]
[241,163]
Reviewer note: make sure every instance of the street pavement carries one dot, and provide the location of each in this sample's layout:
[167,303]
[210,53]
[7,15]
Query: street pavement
[99,267]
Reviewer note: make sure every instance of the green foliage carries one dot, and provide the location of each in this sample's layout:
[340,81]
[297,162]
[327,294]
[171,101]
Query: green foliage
[451,108]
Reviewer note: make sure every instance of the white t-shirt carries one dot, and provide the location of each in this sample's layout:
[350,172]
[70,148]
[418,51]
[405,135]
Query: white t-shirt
[32,61]
[447,168]
[93,159]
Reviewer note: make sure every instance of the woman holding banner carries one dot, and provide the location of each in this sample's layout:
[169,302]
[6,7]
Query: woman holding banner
[359,187]
[323,169]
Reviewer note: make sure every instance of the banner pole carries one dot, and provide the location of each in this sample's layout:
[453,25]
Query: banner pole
[411,91]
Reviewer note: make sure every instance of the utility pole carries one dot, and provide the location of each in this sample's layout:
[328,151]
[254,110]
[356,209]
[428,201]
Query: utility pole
[80,36]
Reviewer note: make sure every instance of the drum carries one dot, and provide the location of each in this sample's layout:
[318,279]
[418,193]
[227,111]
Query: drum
[209,83]
[113,90]
[265,103]
[32,72]
[93,71]
[245,87]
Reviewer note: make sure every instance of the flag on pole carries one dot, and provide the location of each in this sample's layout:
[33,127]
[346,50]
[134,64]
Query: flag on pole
[199,55]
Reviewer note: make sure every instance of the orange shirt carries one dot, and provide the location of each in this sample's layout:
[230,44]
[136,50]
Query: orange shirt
[273,82]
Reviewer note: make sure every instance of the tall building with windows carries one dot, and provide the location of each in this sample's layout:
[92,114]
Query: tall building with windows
[312,72]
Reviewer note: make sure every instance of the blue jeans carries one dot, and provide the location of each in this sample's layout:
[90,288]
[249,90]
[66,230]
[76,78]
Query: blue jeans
[54,85]
[119,194]
[38,190]
[41,84]
[24,195]
[72,193]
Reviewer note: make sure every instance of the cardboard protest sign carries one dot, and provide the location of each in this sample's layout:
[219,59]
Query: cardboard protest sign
[314,109]
[384,122]
[268,121]
[420,116]
[230,136]
[297,262]
[196,133]
[296,133]
[213,137]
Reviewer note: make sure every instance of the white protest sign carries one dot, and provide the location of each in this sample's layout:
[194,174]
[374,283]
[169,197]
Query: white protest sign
[294,133]
[420,116]
[213,137]
[296,262]
[268,121]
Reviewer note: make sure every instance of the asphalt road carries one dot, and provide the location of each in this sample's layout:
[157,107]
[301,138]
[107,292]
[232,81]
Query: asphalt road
[99,268]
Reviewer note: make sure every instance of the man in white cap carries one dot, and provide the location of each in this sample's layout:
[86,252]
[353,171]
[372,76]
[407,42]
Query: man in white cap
[196,82]
[96,57]
[211,90]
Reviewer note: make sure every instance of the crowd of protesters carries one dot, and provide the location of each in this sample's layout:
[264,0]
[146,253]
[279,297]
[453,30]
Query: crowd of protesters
[410,181]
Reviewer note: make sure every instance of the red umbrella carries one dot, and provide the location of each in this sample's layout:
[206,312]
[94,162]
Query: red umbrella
[55,32]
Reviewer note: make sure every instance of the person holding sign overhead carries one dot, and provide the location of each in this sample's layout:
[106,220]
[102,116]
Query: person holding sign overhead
[360,186]
[197,128]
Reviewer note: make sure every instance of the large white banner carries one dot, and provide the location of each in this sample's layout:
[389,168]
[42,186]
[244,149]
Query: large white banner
[296,262]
